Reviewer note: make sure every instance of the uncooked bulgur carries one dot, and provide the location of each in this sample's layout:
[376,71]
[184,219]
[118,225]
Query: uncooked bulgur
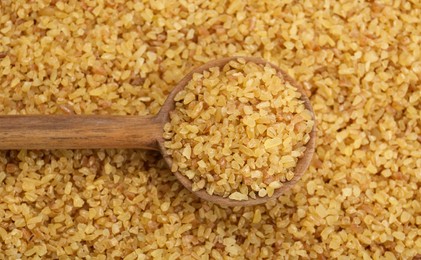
[359,62]
[238,131]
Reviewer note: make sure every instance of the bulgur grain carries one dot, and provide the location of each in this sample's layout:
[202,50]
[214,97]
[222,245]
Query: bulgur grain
[245,117]
[318,43]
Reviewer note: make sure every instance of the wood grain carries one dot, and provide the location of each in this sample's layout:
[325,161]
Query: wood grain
[78,132]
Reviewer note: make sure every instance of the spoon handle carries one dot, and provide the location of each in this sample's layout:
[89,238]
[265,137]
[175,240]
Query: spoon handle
[79,132]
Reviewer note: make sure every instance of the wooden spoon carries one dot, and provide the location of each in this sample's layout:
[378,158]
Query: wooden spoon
[146,132]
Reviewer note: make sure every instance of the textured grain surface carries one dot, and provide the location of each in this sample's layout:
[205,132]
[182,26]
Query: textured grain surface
[358,61]
[238,131]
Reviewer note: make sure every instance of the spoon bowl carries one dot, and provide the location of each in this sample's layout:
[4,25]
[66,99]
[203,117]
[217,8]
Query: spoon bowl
[146,132]
[302,163]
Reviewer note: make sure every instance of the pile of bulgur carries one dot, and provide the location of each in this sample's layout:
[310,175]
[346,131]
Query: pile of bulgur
[359,63]
[238,131]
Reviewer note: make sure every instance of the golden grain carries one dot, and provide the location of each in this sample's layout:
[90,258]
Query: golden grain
[358,61]
[246,118]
